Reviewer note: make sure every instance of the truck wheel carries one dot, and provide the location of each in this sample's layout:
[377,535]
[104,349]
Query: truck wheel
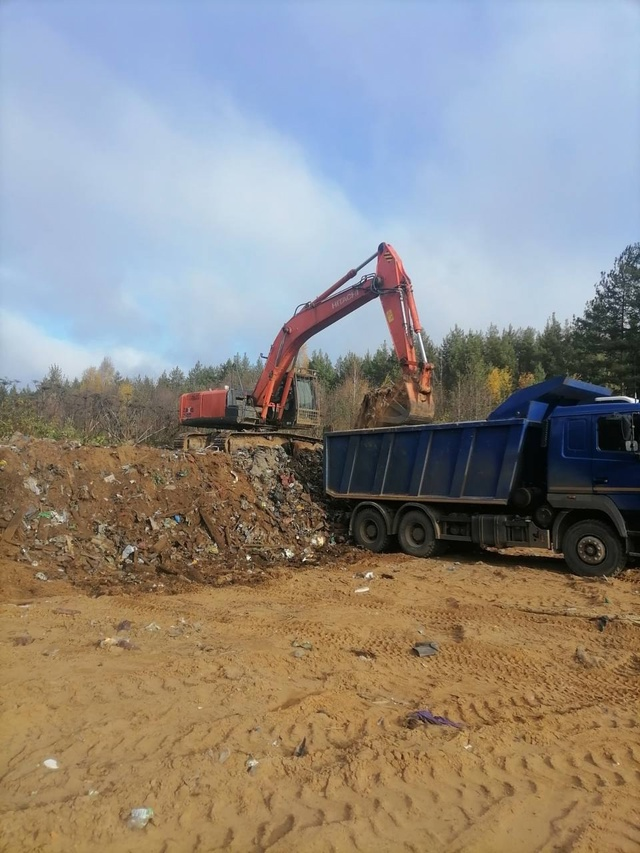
[417,536]
[593,549]
[370,529]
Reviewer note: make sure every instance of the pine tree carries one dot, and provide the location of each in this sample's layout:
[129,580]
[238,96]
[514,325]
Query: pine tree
[607,336]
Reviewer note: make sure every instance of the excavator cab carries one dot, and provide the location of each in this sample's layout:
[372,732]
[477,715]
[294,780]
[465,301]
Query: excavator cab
[301,409]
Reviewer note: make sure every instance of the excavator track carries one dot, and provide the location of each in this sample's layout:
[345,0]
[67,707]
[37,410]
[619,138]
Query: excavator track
[227,442]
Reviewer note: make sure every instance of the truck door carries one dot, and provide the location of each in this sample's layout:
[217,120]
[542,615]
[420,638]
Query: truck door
[615,469]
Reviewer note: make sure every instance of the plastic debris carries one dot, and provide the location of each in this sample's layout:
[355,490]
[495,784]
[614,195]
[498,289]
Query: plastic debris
[66,611]
[424,650]
[364,654]
[125,625]
[110,478]
[152,626]
[139,818]
[32,484]
[425,716]
[40,576]
[50,764]
[361,589]
[252,765]
[301,748]
[289,553]
[119,642]
[224,754]
[128,551]
[302,644]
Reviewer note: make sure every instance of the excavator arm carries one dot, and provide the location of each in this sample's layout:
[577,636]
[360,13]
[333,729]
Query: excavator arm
[391,284]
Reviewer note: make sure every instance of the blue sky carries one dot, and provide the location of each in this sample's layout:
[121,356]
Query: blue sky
[178,176]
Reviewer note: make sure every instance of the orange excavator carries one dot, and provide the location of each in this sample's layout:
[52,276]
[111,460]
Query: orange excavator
[285,397]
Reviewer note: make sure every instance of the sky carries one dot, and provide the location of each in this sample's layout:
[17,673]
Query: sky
[177,176]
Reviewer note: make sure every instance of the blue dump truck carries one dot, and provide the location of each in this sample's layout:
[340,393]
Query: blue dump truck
[556,466]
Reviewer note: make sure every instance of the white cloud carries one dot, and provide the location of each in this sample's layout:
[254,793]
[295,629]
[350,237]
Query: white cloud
[124,221]
[27,353]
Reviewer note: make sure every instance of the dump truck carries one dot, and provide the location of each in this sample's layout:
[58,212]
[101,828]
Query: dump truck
[555,467]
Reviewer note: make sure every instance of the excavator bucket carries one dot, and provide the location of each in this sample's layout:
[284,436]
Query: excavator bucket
[395,405]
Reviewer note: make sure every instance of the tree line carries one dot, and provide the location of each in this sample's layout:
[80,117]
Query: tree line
[473,372]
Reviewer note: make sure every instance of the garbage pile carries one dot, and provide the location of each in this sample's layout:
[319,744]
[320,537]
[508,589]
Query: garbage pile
[108,518]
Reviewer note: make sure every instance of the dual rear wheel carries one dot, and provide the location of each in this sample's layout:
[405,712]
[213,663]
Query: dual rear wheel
[416,534]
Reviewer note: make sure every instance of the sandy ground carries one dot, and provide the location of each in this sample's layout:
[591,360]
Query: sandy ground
[548,759]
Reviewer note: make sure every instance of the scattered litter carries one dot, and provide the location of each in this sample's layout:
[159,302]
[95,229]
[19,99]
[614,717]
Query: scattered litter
[110,478]
[23,640]
[139,818]
[252,765]
[152,626]
[289,553]
[50,764]
[32,484]
[299,653]
[301,748]
[125,625]
[367,576]
[66,611]
[224,754]
[424,716]
[53,516]
[362,589]
[388,577]
[119,642]
[364,654]
[424,650]
[602,621]
[587,660]
[40,576]
[128,551]
[302,644]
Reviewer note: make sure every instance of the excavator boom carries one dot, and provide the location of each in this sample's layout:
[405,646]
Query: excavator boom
[393,287]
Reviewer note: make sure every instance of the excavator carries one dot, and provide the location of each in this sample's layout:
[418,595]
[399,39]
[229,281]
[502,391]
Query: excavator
[285,396]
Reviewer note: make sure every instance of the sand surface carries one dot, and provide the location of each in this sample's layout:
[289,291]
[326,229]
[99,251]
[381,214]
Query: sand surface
[548,758]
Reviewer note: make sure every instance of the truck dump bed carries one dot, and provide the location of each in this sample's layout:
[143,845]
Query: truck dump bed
[472,462]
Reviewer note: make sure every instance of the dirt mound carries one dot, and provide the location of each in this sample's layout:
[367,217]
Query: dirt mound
[151,519]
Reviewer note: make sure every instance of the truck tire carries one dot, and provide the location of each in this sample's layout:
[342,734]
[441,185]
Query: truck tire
[593,549]
[417,536]
[370,529]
